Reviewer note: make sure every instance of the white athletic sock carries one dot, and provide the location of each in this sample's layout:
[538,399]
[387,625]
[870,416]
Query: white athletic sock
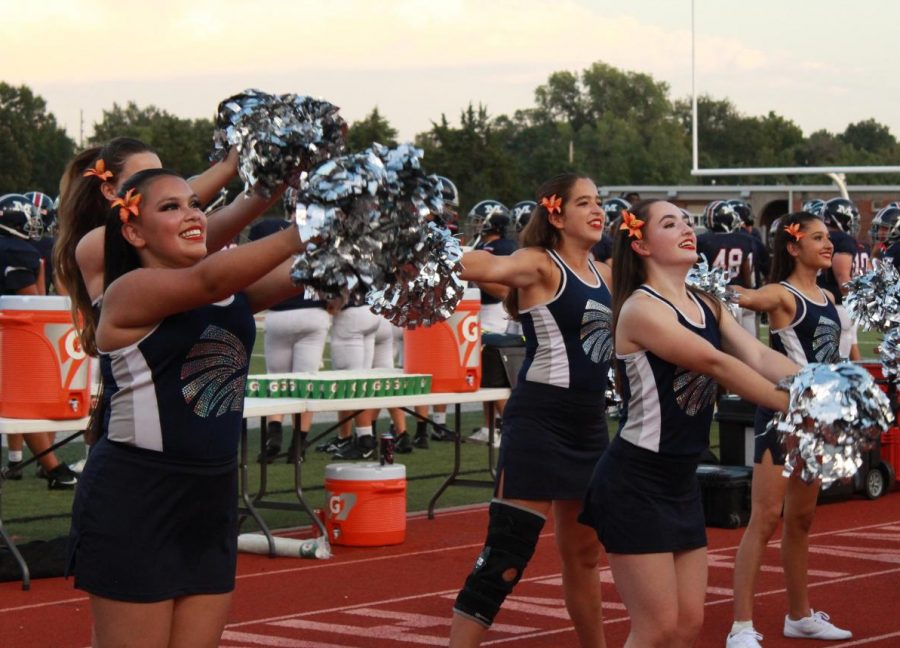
[364,431]
[15,455]
[439,417]
[737,626]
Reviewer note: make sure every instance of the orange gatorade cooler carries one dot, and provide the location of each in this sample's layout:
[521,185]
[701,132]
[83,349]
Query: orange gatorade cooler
[44,373]
[366,504]
[450,350]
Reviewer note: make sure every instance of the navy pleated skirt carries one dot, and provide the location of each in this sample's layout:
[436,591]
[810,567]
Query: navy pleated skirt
[145,528]
[643,502]
[552,438]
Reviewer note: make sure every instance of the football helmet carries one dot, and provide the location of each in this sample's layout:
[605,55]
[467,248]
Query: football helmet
[521,213]
[743,209]
[487,208]
[813,207]
[721,216]
[885,227]
[841,214]
[18,217]
[45,207]
[613,208]
[449,192]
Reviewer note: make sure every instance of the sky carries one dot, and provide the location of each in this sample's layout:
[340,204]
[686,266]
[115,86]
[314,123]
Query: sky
[821,63]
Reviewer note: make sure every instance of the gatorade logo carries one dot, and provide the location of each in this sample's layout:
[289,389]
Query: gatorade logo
[71,358]
[72,345]
[467,327]
[341,505]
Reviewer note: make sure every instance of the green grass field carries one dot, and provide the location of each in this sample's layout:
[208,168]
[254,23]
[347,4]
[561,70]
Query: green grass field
[31,512]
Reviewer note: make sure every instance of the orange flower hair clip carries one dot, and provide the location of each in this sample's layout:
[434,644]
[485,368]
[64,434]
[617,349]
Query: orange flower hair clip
[794,230]
[128,206]
[633,224]
[99,171]
[553,204]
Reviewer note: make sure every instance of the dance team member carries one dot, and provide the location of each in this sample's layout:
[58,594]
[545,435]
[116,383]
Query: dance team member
[154,520]
[672,345]
[91,180]
[805,327]
[554,425]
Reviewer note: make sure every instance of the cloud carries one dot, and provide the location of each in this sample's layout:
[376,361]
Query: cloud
[414,58]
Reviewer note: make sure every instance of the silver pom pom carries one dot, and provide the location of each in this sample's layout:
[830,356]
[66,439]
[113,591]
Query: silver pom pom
[368,217]
[277,136]
[836,412]
[889,352]
[873,300]
[715,282]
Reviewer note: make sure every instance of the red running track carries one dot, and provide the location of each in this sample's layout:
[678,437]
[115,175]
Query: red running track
[402,595]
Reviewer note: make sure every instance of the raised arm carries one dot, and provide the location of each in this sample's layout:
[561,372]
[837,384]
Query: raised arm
[523,268]
[207,184]
[737,341]
[226,223]
[645,323]
[142,297]
[767,299]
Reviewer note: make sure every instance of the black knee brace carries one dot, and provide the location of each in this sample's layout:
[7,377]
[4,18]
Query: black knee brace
[512,536]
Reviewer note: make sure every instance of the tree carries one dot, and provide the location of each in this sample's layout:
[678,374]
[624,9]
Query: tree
[372,128]
[34,150]
[870,136]
[472,156]
[182,144]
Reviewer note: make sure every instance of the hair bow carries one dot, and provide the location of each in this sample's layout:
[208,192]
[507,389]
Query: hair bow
[633,224]
[553,204]
[128,206]
[99,171]
[794,230]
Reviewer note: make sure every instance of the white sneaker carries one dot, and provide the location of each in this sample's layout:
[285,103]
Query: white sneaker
[815,626]
[480,437]
[746,638]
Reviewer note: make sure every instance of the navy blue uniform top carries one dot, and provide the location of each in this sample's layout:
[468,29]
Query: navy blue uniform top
[498,247]
[843,244]
[20,263]
[180,389]
[669,409]
[268,226]
[893,253]
[568,340]
[814,333]
[760,260]
[602,250]
[45,249]
[727,251]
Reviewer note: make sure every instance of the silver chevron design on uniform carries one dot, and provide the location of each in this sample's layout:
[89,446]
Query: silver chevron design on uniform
[215,370]
[693,391]
[596,332]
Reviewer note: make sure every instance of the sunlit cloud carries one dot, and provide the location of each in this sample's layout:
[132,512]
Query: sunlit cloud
[415,59]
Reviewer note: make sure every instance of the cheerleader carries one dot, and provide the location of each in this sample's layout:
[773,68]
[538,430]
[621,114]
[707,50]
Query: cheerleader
[154,521]
[91,180]
[554,425]
[805,327]
[644,499]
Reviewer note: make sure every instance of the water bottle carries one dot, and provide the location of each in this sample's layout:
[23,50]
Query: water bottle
[387,445]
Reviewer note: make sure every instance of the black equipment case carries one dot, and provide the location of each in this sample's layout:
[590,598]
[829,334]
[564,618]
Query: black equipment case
[726,494]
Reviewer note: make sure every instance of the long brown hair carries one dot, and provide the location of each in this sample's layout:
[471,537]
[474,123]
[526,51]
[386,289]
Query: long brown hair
[119,258]
[539,232]
[630,271]
[783,263]
[83,207]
